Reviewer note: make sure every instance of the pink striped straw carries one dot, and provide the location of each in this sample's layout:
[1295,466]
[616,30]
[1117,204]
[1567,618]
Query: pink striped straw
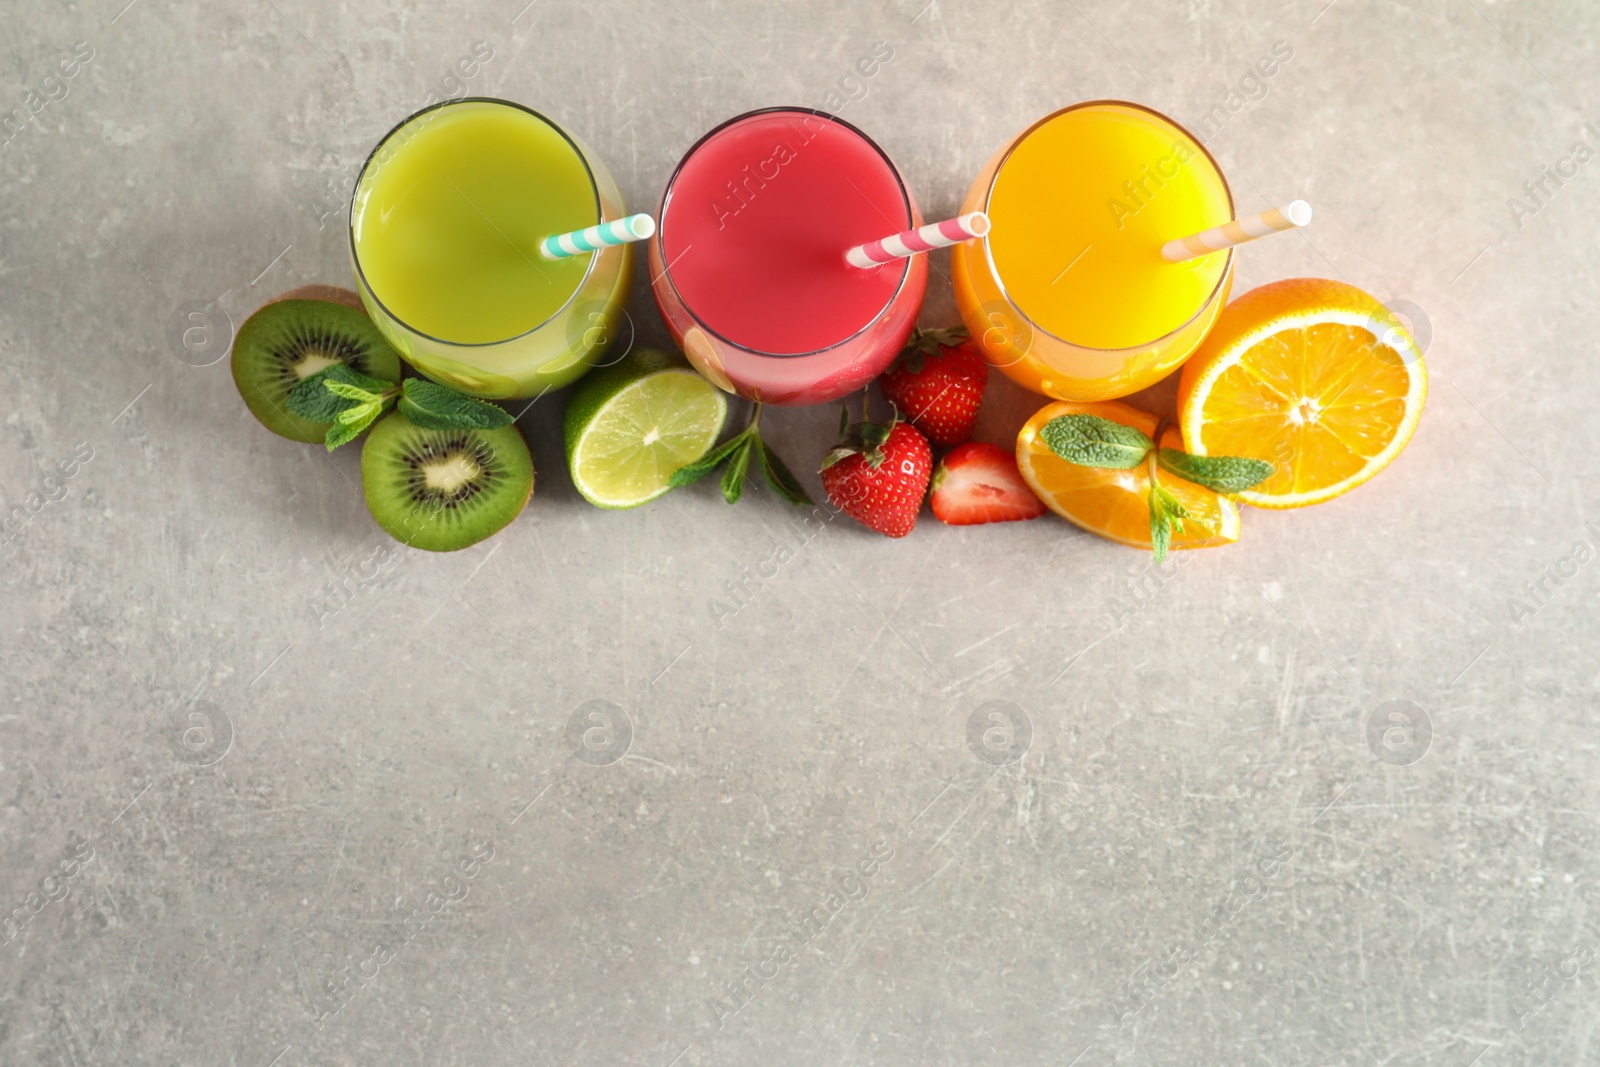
[924,239]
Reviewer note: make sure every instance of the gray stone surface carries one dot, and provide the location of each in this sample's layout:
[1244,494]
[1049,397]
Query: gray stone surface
[239,794]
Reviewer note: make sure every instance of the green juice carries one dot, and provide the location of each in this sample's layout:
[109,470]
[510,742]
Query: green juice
[445,230]
[448,233]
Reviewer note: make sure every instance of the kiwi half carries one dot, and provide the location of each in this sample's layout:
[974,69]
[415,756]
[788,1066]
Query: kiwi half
[444,489]
[291,339]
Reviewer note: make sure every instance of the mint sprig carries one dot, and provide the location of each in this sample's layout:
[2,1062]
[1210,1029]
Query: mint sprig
[312,399]
[353,401]
[340,394]
[737,452]
[1092,441]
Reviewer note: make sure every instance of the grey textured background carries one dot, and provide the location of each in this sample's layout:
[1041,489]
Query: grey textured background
[1199,857]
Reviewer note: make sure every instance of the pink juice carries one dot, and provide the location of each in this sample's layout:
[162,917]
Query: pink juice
[748,265]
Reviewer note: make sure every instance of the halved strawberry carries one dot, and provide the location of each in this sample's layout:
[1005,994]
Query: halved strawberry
[937,383]
[978,483]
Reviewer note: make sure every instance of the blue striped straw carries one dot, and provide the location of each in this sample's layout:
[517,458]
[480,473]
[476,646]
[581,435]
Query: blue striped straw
[620,232]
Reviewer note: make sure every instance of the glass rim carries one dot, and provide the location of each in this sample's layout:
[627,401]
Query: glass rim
[355,257]
[994,270]
[659,240]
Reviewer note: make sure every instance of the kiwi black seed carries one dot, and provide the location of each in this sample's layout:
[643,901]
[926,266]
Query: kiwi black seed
[289,340]
[444,489]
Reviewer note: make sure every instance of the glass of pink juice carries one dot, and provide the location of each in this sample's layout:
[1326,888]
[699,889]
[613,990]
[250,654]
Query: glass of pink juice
[748,262]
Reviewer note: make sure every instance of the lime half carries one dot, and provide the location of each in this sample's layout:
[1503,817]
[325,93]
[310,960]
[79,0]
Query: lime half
[629,426]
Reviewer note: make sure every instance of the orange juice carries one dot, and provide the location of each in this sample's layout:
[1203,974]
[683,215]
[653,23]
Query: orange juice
[1069,294]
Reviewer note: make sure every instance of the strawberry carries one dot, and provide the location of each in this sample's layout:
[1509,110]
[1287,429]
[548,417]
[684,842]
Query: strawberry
[979,483]
[937,382]
[877,474]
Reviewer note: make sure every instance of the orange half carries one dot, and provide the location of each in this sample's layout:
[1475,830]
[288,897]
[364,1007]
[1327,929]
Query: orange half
[1116,504]
[1314,376]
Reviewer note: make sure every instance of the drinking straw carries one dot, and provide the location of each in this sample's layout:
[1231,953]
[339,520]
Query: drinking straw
[924,239]
[620,232]
[1237,232]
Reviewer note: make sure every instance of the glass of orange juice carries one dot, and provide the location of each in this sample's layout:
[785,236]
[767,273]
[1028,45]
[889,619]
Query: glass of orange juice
[1069,294]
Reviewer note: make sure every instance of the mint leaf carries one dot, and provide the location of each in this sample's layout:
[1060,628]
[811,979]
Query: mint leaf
[340,433]
[733,477]
[1221,474]
[348,375]
[1160,526]
[1090,441]
[349,423]
[310,399]
[433,407]
[1166,516]
[779,476]
[360,415]
[1173,507]
[690,473]
[349,392]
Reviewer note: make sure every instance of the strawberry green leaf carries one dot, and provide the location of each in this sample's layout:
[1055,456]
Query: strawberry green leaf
[1221,474]
[929,343]
[837,455]
[1090,441]
[873,434]
[948,337]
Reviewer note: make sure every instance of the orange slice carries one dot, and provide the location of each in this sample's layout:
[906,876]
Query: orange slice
[1115,504]
[1314,376]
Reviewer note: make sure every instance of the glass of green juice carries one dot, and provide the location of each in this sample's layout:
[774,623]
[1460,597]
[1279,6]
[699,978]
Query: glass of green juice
[445,228]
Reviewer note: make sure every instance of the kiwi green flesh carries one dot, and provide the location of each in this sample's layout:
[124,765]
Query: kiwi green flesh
[442,490]
[290,340]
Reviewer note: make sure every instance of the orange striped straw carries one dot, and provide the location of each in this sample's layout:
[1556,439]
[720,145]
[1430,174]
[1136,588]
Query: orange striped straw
[1238,232]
